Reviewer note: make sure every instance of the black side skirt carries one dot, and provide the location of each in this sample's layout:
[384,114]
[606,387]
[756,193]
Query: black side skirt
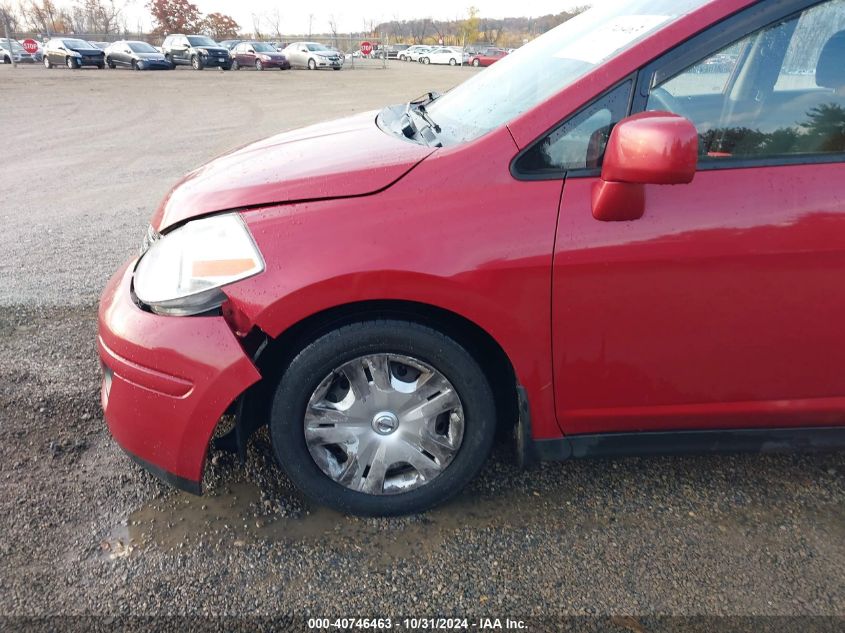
[806,439]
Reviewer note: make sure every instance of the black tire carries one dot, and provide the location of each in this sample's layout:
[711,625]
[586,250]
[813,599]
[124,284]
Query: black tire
[476,63]
[110,63]
[72,63]
[196,62]
[312,65]
[101,65]
[6,59]
[325,354]
[258,65]
[453,62]
[135,65]
[235,65]
[336,68]
[426,61]
[47,63]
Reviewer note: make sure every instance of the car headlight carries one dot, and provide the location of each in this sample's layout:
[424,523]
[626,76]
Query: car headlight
[182,272]
[266,58]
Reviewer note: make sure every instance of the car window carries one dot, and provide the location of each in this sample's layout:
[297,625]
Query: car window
[778,92]
[580,141]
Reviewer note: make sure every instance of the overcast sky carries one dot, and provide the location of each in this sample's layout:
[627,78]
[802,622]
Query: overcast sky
[351,15]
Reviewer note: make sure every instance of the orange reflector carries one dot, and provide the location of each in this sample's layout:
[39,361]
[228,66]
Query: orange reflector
[221,267]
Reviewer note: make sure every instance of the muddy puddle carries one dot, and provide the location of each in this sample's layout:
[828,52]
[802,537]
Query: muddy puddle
[233,518]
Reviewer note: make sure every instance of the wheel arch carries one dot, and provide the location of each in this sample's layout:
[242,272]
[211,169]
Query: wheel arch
[275,354]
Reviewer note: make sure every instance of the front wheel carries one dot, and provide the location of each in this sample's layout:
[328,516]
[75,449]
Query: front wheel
[47,63]
[196,62]
[426,61]
[235,65]
[476,63]
[259,65]
[382,418]
[71,62]
[312,65]
[110,63]
[453,62]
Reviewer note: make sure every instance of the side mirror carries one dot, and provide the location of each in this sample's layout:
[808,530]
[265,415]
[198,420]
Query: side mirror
[649,148]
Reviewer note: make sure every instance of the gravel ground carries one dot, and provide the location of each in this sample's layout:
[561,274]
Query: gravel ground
[85,531]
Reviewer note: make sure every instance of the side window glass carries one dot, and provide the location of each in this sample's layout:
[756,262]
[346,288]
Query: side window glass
[778,92]
[579,142]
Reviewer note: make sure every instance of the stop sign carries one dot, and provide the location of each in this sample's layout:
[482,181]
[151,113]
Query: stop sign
[366,48]
[30,46]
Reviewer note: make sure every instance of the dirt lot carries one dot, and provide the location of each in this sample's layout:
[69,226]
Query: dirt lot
[88,154]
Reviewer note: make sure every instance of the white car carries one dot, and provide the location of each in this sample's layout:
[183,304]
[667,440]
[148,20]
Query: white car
[312,56]
[413,53]
[444,55]
[11,50]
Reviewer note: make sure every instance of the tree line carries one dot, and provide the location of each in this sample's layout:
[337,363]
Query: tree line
[108,18]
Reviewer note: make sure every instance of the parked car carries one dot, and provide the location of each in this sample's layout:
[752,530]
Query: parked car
[12,50]
[136,55]
[444,55]
[230,44]
[413,53]
[487,57]
[197,51]
[258,55]
[390,51]
[583,244]
[101,45]
[73,53]
[313,56]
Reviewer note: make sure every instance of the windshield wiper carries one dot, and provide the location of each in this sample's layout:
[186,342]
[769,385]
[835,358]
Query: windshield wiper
[425,99]
[427,118]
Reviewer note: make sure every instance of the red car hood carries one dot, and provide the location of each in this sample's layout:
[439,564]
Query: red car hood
[348,157]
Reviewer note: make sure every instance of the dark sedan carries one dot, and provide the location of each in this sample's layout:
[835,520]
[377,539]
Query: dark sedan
[136,55]
[258,55]
[73,53]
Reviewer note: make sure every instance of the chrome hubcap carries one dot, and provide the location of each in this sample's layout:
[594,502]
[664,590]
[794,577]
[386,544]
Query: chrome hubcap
[384,424]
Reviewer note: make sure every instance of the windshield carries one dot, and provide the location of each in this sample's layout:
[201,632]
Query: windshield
[77,44]
[141,47]
[200,40]
[545,66]
[317,47]
[15,46]
[261,47]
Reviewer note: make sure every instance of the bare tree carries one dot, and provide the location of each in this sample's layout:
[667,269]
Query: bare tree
[333,29]
[42,16]
[9,17]
[274,20]
[256,25]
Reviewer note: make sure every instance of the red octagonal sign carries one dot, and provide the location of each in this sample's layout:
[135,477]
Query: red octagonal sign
[30,46]
[366,48]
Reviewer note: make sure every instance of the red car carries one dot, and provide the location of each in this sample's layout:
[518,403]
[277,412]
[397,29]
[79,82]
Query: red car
[596,244]
[258,55]
[487,57]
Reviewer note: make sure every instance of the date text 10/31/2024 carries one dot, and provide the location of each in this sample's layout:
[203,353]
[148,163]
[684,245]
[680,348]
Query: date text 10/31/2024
[416,624]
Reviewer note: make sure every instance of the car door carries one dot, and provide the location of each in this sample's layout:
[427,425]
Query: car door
[55,52]
[180,50]
[722,306]
[122,55]
[247,55]
[301,53]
